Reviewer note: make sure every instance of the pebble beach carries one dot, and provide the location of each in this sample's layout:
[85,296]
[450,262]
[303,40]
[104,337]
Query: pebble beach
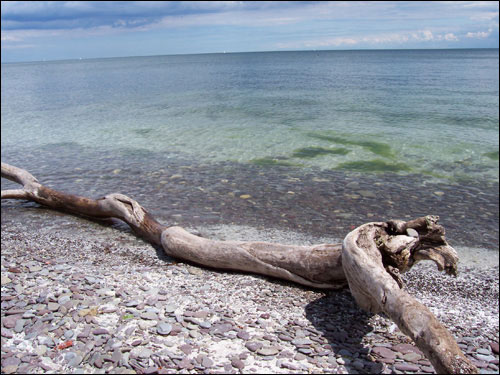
[86,297]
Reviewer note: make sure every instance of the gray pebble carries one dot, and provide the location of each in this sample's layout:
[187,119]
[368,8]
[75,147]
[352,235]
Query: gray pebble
[268,351]
[73,359]
[10,321]
[238,363]
[485,358]
[62,300]
[164,328]
[289,366]
[100,331]
[141,352]
[117,356]
[19,325]
[46,340]
[29,314]
[149,315]
[207,362]
[303,341]
[52,306]
[69,334]
[253,346]
[7,333]
[10,361]
[170,308]
[483,351]
[412,357]
[195,334]
[384,352]
[40,350]
[299,357]
[205,324]
[244,335]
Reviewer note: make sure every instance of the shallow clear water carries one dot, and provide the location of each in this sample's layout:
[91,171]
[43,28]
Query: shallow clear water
[320,141]
[433,112]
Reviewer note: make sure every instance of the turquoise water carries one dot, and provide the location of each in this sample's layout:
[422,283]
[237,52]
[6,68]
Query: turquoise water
[429,112]
[321,142]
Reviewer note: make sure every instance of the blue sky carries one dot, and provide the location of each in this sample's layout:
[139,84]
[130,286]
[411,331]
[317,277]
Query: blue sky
[53,30]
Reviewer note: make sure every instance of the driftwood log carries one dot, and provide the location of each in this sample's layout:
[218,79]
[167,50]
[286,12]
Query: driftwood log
[369,260]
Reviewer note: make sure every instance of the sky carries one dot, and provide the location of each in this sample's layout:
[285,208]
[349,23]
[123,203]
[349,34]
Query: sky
[55,30]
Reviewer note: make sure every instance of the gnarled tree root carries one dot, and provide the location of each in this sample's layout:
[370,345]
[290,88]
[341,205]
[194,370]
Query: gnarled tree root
[370,260]
[365,259]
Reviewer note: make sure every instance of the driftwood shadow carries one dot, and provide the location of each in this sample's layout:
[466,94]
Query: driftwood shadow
[344,325]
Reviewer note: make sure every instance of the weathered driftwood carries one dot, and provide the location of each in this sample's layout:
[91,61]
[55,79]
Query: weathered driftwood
[370,260]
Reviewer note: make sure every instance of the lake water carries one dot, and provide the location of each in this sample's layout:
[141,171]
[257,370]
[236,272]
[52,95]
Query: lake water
[319,140]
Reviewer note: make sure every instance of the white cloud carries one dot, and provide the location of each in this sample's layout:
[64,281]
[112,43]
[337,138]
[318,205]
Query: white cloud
[479,34]
[425,35]
[451,37]
[393,38]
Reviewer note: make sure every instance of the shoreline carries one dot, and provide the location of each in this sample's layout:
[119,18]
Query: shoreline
[322,203]
[220,322]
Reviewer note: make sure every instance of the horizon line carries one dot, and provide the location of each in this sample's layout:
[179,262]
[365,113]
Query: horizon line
[241,52]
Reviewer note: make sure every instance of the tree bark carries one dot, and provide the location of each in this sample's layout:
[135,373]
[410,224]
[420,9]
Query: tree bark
[369,260]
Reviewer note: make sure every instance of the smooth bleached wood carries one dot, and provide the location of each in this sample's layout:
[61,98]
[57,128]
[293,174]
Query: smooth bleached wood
[377,290]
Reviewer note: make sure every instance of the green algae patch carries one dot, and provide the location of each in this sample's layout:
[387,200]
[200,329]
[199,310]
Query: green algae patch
[374,166]
[378,148]
[312,152]
[492,155]
[269,161]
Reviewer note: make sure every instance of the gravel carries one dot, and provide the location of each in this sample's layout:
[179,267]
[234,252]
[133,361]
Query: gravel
[82,297]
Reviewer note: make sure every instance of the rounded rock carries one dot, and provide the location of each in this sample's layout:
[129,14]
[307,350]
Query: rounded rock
[268,351]
[164,328]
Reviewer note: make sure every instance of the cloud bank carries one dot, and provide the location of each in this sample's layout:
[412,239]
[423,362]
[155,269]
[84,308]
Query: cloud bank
[250,25]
